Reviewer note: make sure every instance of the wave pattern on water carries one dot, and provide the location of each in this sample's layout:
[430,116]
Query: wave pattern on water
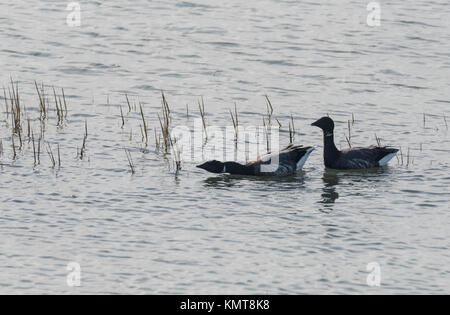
[153,232]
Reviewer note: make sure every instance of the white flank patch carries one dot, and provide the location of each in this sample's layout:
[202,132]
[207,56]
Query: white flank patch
[304,158]
[386,159]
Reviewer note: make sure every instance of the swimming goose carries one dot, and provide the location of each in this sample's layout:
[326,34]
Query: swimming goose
[353,158]
[285,162]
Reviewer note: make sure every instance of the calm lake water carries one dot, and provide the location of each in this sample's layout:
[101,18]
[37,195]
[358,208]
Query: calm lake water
[156,232]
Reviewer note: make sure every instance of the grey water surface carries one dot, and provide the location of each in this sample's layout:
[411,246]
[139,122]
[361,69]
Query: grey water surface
[157,232]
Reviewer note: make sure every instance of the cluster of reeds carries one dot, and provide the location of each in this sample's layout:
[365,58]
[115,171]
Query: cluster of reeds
[42,101]
[165,126]
[130,107]
[291,130]
[52,157]
[350,123]
[60,104]
[267,125]
[82,152]
[143,127]
[176,155]
[378,141]
[164,143]
[201,107]
[130,161]
[266,130]
[269,110]
[349,137]
[235,120]
[36,150]
[21,123]
[13,106]
[123,118]
[61,112]
[16,112]
[409,158]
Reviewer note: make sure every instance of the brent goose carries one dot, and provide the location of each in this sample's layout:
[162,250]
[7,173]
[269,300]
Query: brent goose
[353,158]
[286,162]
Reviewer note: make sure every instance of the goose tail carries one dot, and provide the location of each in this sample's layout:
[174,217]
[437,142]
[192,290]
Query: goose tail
[390,154]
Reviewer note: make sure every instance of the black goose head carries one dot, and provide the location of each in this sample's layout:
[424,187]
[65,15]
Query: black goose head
[212,166]
[325,123]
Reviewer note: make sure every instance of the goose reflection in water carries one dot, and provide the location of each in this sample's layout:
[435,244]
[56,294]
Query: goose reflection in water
[329,193]
[333,178]
[281,183]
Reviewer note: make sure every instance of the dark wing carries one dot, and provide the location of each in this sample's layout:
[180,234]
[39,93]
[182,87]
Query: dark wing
[281,163]
[293,153]
[290,153]
[364,157]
